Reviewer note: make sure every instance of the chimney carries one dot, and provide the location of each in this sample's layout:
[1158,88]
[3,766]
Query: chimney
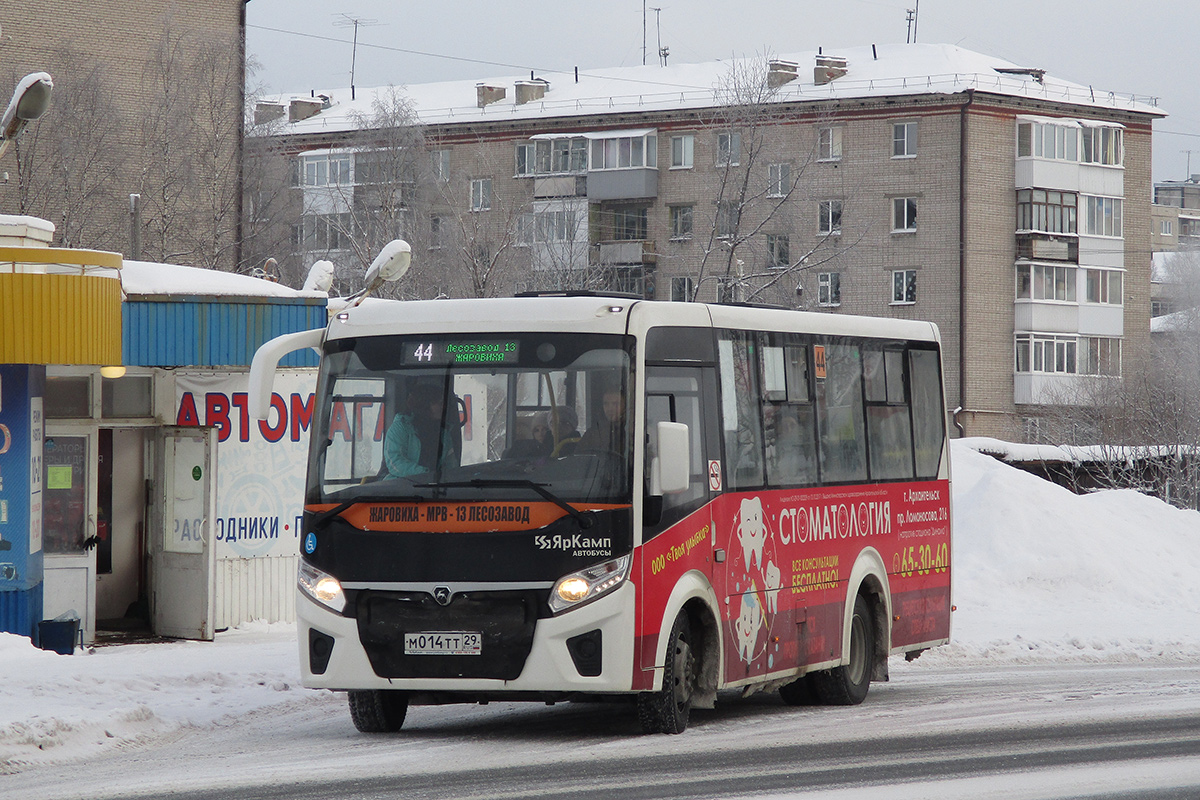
[780,72]
[267,112]
[828,68]
[534,89]
[303,108]
[486,94]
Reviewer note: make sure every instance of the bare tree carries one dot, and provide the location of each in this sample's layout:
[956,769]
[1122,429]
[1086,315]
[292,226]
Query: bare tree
[68,164]
[752,245]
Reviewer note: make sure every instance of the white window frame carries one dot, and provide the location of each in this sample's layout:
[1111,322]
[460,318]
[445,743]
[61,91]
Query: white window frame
[481,194]
[440,163]
[904,139]
[904,293]
[1165,227]
[779,179]
[829,143]
[437,224]
[829,289]
[624,152]
[729,149]
[1044,282]
[904,215]
[1103,216]
[683,151]
[1106,285]
[1048,354]
[683,288]
[676,215]
[829,223]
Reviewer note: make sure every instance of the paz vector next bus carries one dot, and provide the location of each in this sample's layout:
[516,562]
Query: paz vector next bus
[543,498]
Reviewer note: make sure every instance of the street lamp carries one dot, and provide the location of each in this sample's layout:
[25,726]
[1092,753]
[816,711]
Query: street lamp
[29,101]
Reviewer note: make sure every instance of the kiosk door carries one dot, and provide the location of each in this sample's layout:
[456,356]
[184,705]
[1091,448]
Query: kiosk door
[182,552]
[69,526]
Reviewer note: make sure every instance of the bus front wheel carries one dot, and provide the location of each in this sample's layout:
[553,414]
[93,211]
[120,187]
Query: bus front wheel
[847,685]
[668,710]
[377,710]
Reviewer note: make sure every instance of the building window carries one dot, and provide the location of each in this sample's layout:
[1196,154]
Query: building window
[904,214]
[1046,282]
[552,156]
[1102,216]
[829,217]
[1104,286]
[729,149]
[778,251]
[440,163]
[682,149]
[1165,227]
[629,224]
[727,219]
[1042,353]
[829,289]
[904,286]
[1101,145]
[436,232]
[1046,211]
[327,170]
[1047,140]
[323,232]
[481,194]
[904,140]
[829,144]
[625,152]
[682,289]
[779,181]
[1099,355]
[681,222]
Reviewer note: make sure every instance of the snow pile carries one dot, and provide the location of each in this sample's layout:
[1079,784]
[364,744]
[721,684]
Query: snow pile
[1040,574]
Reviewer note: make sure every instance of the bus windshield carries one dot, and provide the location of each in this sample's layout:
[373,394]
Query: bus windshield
[473,417]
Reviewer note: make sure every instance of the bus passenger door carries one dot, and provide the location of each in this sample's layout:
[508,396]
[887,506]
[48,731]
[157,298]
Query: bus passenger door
[677,532]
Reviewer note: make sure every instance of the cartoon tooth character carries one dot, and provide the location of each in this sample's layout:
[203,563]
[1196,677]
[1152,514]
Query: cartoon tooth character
[751,531]
[771,579]
[748,623]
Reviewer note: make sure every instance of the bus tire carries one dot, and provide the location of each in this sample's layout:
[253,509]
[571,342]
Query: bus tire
[668,710]
[847,685]
[799,692]
[377,710]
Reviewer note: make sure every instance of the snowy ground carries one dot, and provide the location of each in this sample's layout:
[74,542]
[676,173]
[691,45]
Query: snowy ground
[1042,578]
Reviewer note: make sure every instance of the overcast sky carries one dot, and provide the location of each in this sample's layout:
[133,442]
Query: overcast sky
[1146,48]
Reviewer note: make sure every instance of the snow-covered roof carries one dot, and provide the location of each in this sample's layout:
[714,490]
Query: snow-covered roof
[873,71]
[147,278]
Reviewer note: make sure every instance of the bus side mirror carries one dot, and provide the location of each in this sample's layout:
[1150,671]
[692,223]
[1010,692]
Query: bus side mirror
[669,470]
[266,361]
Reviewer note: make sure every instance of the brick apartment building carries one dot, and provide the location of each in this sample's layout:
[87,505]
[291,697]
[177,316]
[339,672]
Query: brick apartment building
[908,181]
[147,101]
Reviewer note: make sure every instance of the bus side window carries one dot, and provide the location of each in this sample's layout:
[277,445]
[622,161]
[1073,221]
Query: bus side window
[788,424]
[741,406]
[888,429]
[929,417]
[843,441]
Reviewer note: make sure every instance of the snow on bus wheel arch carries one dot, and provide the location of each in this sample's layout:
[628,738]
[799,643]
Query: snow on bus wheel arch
[869,577]
[694,594]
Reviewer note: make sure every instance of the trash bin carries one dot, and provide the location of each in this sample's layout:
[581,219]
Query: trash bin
[59,635]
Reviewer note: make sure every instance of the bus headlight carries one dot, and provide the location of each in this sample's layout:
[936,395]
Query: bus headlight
[588,584]
[321,586]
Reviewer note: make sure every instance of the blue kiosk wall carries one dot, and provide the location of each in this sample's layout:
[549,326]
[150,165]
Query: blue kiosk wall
[21,433]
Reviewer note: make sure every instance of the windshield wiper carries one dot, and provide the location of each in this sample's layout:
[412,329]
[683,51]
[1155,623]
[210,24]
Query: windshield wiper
[584,518]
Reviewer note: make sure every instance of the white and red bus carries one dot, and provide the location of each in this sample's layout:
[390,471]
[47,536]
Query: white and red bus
[547,497]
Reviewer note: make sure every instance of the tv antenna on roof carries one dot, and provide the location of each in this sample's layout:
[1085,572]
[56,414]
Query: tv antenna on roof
[345,22]
[911,19]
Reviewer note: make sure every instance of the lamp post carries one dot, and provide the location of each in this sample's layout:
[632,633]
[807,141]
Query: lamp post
[29,101]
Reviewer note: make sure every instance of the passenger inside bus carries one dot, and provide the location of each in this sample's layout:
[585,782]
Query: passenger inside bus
[566,436]
[419,438]
[608,433]
[540,443]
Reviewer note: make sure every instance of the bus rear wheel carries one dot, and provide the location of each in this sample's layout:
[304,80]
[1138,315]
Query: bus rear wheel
[847,685]
[377,710]
[668,710]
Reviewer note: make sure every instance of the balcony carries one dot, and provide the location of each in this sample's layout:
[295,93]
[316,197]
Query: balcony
[634,252]
[1047,247]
